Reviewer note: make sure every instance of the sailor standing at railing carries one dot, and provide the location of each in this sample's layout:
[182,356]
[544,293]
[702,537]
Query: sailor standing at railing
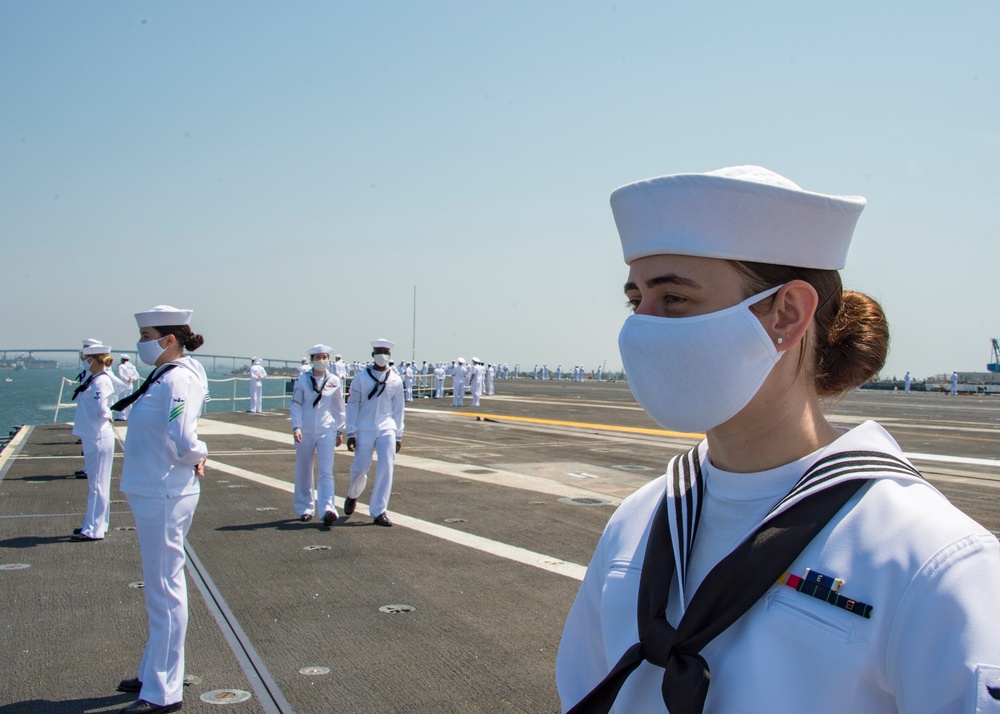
[82,375]
[439,375]
[317,413]
[407,381]
[339,368]
[164,461]
[257,376]
[92,423]
[129,375]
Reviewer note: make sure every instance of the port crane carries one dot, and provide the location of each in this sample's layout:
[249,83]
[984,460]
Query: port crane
[994,366]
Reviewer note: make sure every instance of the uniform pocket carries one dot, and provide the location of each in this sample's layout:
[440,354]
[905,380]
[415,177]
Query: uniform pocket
[798,607]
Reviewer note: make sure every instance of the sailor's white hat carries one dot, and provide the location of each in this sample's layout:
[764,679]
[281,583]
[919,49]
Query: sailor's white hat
[96,350]
[388,344]
[736,213]
[461,360]
[319,350]
[91,342]
[163,316]
[125,357]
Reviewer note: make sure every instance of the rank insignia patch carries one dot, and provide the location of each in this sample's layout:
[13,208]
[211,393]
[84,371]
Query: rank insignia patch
[825,588]
[176,411]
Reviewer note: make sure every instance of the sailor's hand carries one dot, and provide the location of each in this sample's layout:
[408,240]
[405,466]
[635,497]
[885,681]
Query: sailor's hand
[340,440]
[199,469]
[351,442]
[399,445]
[297,435]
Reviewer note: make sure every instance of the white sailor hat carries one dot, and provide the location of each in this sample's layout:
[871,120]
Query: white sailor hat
[319,350]
[90,350]
[163,316]
[736,213]
[475,360]
[337,357]
[125,358]
[461,360]
[255,360]
[91,342]
[304,360]
[388,344]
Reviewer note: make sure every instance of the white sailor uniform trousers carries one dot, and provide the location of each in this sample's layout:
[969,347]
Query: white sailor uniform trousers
[317,411]
[92,424]
[158,477]
[375,420]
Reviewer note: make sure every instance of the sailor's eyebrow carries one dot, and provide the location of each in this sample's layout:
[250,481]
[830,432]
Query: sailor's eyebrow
[665,279]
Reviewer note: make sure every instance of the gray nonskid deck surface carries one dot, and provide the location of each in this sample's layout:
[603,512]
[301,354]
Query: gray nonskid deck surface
[485,628]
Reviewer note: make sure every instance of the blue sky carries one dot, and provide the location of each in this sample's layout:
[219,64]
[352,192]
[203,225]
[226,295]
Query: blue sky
[292,170]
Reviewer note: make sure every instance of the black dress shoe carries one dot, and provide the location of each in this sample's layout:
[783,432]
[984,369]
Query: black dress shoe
[306,517]
[329,518]
[349,504]
[382,520]
[144,707]
[80,474]
[77,531]
[81,538]
[130,685]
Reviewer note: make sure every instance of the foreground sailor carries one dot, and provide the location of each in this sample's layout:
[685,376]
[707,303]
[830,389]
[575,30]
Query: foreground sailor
[374,424]
[317,413]
[800,566]
[92,423]
[164,460]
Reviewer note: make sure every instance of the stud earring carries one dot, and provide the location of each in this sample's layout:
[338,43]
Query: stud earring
[779,340]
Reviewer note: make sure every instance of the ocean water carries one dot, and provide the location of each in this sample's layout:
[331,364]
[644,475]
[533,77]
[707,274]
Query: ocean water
[32,396]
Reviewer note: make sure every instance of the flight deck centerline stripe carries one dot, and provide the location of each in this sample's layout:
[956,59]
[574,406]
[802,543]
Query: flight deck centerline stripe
[559,422]
[268,693]
[13,448]
[503,550]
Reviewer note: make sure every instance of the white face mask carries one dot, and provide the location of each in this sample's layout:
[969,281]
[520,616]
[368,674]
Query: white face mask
[380,359]
[149,351]
[321,365]
[692,374]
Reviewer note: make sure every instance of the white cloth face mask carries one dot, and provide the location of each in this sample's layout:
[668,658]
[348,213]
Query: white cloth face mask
[321,365]
[149,351]
[381,359]
[692,374]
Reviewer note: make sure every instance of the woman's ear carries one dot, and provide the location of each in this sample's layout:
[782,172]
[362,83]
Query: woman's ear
[792,314]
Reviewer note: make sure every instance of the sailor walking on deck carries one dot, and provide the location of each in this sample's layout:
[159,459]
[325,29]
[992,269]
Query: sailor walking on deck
[954,384]
[257,376]
[92,423]
[374,424]
[317,413]
[164,461]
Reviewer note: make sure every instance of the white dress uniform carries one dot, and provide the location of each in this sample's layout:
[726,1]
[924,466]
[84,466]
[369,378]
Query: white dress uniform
[304,367]
[162,449]
[477,374]
[317,411]
[375,420]
[339,367]
[257,376]
[92,423]
[954,384]
[929,573]
[439,375]
[906,382]
[490,375]
[458,374]
[128,374]
[408,382]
